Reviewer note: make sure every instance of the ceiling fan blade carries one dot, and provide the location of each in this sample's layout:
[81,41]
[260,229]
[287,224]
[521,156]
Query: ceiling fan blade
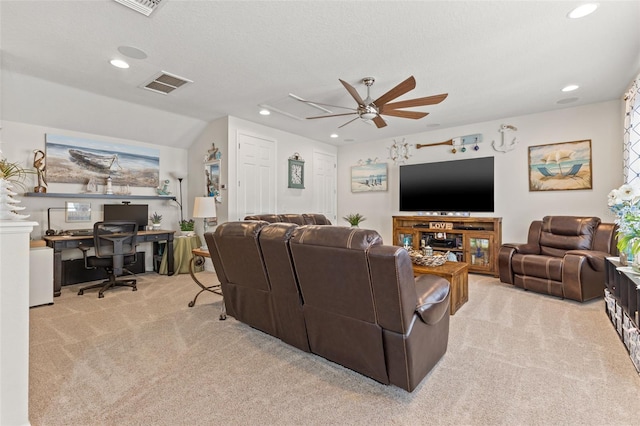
[352,91]
[429,100]
[331,115]
[379,121]
[327,105]
[350,121]
[405,114]
[399,90]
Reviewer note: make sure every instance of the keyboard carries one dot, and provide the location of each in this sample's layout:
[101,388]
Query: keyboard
[80,232]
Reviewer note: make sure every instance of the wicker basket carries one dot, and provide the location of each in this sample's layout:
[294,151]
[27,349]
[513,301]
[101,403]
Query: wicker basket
[422,260]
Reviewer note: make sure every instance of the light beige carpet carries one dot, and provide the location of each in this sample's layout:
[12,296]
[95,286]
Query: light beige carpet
[146,358]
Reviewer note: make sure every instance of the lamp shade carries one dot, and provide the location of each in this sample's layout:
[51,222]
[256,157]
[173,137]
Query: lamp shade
[204,207]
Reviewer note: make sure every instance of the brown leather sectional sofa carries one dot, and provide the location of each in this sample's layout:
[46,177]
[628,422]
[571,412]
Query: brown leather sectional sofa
[564,256]
[299,219]
[337,292]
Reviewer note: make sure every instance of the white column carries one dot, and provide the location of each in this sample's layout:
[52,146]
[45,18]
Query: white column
[14,322]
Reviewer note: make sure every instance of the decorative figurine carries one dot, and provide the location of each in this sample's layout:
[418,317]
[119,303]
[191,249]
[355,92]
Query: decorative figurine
[164,190]
[109,189]
[41,167]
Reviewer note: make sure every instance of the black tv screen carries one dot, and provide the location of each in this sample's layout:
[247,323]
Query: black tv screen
[138,213]
[448,186]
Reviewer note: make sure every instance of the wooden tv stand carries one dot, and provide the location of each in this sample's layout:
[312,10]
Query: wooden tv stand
[474,240]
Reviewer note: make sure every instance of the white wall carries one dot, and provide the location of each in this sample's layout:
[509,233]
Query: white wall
[288,200]
[20,139]
[602,123]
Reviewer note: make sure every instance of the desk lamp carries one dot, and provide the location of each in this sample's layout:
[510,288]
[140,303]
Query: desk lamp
[204,207]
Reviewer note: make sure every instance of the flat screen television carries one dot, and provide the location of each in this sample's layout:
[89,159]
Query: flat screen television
[448,186]
[138,213]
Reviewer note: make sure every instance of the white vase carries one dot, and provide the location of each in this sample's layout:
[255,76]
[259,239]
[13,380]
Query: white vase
[8,207]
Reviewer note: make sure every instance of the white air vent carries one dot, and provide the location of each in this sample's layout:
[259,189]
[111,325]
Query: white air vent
[143,6]
[165,83]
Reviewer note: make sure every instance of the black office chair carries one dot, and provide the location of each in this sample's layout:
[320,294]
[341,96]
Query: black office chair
[115,247]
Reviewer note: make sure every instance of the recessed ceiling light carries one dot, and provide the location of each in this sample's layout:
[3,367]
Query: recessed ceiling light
[570,88]
[132,52]
[265,111]
[333,135]
[583,10]
[119,63]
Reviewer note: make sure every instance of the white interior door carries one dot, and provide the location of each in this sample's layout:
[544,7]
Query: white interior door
[324,185]
[256,175]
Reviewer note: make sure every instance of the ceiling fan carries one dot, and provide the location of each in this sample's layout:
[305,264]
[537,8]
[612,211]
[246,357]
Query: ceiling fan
[373,110]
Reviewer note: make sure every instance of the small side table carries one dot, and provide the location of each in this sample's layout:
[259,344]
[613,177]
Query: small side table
[197,261]
[182,247]
[457,273]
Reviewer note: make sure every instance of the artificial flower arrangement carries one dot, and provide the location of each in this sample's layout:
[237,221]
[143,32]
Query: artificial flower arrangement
[624,202]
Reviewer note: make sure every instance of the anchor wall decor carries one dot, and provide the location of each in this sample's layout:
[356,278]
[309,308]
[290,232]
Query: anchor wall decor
[504,146]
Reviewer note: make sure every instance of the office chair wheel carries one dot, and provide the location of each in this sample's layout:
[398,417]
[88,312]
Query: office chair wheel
[223,317]
[100,295]
[191,304]
[80,292]
[135,289]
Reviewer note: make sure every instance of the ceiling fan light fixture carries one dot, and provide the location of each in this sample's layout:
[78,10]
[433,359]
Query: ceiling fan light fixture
[368,115]
[265,111]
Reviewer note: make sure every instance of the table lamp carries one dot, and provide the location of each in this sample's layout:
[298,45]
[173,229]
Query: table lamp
[204,207]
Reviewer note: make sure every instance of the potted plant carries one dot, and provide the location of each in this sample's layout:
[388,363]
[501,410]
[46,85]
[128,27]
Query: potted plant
[354,219]
[186,226]
[13,173]
[156,220]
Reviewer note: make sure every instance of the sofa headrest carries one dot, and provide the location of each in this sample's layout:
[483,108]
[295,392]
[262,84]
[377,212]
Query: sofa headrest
[336,236]
[240,228]
[570,225]
[271,218]
[277,231]
[562,233]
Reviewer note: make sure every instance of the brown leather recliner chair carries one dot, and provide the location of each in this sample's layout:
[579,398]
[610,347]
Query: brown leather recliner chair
[564,256]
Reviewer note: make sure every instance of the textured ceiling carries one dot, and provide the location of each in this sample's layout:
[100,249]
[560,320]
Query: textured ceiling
[494,59]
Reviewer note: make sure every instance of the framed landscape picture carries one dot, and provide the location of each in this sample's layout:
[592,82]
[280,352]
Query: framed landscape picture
[560,166]
[369,177]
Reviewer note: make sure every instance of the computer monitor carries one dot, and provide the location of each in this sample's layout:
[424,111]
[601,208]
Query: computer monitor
[138,213]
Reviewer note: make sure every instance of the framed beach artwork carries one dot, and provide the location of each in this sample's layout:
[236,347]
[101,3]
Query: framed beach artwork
[560,166]
[369,177]
[79,160]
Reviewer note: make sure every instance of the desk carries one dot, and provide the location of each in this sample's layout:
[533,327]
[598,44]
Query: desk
[182,247]
[60,243]
[457,273]
[197,260]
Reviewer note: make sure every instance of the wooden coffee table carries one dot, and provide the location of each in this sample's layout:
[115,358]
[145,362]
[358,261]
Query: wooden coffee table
[457,273]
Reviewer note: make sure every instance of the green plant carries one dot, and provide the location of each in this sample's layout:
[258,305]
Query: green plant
[156,218]
[354,219]
[187,225]
[13,172]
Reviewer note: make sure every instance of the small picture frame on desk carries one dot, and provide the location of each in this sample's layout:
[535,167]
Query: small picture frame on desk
[77,212]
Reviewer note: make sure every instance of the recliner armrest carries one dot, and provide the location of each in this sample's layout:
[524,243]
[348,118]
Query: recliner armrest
[595,259]
[524,248]
[433,298]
